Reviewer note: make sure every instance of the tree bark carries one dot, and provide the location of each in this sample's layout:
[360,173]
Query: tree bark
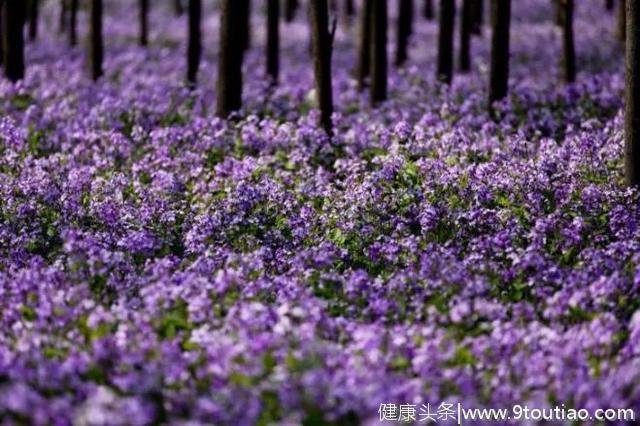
[622,21]
[364,49]
[445,41]
[632,93]
[194,49]
[290,9]
[33,19]
[229,85]
[96,44]
[427,10]
[569,57]
[478,17]
[73,22]
[144,22]
[465,35]
[322,40]
[273,40]
[405,29]
[13,19]
[499,74]
[379,18]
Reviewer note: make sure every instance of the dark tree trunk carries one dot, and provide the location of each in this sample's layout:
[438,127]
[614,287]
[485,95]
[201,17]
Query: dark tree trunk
[364,49]
[62,18]
[465,35]
[349,8]
[273,40]
[245,24]
[1,32]
[499,74]
[33,19]
[194,50]
[405,28]
[73,22]
[96,44]
[445,40]
[144,22]
[632,103]
[427,10]
[14,16]
[608,5]
[622,21]
[322,40]
[478,16]
[290,9]
[569,57]
[229,85]
[557,7]
[178,7]
[378,59]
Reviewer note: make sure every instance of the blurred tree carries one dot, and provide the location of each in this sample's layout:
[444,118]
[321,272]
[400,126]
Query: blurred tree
[364,48]
[273,40]
[73,22]
[290,9]
[478,16]
[349,8]
[379,20]
[13,19]
[178,7]
[609,5]
[229,86]
[245,24]
[322,40]
[499,74]
[622,22]
[194,50]
[144,22]
[445,41]
[96,44]
[632,94]
[33,19]
[569,57]
[62,17]
[405,29]
[427,10]
[465,35]
[1,33]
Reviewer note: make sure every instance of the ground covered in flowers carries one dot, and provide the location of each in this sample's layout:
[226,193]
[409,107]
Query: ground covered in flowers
[160,265]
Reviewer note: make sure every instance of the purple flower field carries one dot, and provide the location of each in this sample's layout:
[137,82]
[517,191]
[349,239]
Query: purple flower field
[160,265]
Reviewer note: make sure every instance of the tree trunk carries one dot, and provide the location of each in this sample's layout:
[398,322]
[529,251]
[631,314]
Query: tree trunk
[622,21]
[73,22]
[273,40]
[96,44]
[465,35]
[14,16]
[427,10]
[33,19]
[557,7]
[62,18]
[364,49]
[290,9]
[378,59]
[478,16]
[445,41]
[632,93]
[569,57]
[405,28]
[229,85]
[608,5]
[1,32]
[144,22]
[178,7]
[499,74]
[349,8]
[245,24]
[194,50]
[321,39]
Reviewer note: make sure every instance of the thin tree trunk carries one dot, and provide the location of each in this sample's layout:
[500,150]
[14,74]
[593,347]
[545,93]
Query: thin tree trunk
[178,7]
[73,22]
[478,17]
[290,9]
[632,103]
[62,17]
[33,19]
[465,35]
[569,57]
[273,40]
[1,32]
[499,74]
[229,85]
[445,41]
[144,22]
[379,18]
[349,8]
[405,21]
[194,50]
[96,44]
[557,7]
[608,5]
[245,24]
[622,21]
[427,10]
[321,38]
[13,19]
[364,49]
